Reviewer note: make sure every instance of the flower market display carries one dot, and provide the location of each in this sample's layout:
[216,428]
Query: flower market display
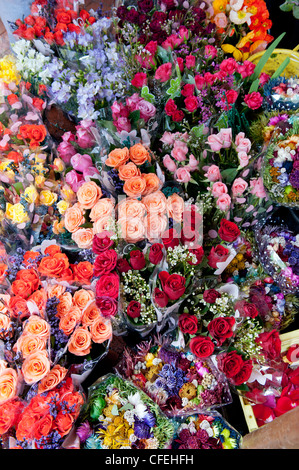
[163,213]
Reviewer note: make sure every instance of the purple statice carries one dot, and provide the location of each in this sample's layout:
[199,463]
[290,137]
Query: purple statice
[170,356]
[294,178]
[141,429]
[84,431]
[60,338]
[115,181]
[170,379]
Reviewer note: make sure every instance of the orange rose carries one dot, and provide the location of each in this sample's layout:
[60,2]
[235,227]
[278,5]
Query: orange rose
[30,276]
[26,425]
[131,208]
[28,344]
[55,290]
[132,230]
[156,224]
[37,326]
[83,238]
[64,423]
[35,367]
[155,203]
[43,427]
[153,183]
[102,224]
[21,288]
[54,266]
[73,401]
[69,321]
[10,414]
[81,297]
[88,194]
[73,218]
[83,272]
[35,133]
[175,207]
[103,208]
[139,154]
[51,250]
[135,186]
[90,314]
[8,384]
[52,379]
[80,342]
[117,157]
[39,297]
[30,256]
[101,330]
[65,304]
[3,269]
[18,306]
[127,171]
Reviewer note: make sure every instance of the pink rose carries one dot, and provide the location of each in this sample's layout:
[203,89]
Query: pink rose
[220,20]
[229,65]
[264,78]
[132,102]
[254,100]
[226,136]
[168,138]
[188,90]
[223,202]
[147,109]
[215,142]
[190,61]
[230,98]
[257,187]
[81,162]
[122,124]
[219,188]
[66,151]
[213,174]
[84,138]
[199,82]
[183,32]
[239,186]
[243,159]
[68,137]
[242,143]
[191,103]
[74,180]
[152,47]
[246,68]
[169,163]
[193,163]
[85,124]
[119,110]
[210,51]
[139,80]
[163,73]
[179,151]
[209,78]
[182,175]
[91,172]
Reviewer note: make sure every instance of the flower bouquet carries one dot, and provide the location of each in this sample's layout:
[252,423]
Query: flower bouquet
[176,380]
[205,431]
[281,93]
[118,415]
[280,165]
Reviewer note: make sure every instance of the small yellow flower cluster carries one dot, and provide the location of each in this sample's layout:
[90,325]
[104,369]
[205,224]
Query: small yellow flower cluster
[8,70]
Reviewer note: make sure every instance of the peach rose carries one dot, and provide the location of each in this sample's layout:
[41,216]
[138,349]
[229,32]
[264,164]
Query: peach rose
[80,342]
[28,344]
[132,230]
[55,290]
[83,238]
[65,303]
[73,218]
[69,321]
[104,207]
[3,365]
[8,384]
[103,224]
[88,194]
[117,157]
[53,266]
[90,314]
[35,367]
[39,297]
[139,154]
[37,326]
[156,224]
[131,208]
[155,203]
[101,330]
[127,171]
[175,207]
[135,186]
[4,302]
[81,298]
[153,183]
[5,325]
[52,379]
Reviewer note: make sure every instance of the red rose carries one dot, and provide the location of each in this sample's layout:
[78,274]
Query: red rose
[84,15]
[188,90]
[254,100]
[210,296]
[199,253]
[192,219]
[101,242]
[188,236]
[155,253]
[244,374]
[123,265]
[137,260]
[202,346]
[230,363]
[218,254]
[139,80]
[170,107]
[246,309]
[152,47]
[221,328]
[105,262]
[108,286]
[188,323]
[178,115]
[134,309]
[160,297]
[170,238]
[271,344]
[29,20]
[107,305]
[191,103]
[228,231]
[172,284]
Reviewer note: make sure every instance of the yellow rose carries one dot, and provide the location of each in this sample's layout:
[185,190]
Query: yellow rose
[40,181]
[47,198]
[5,167]
[62,206]
[68,193]
[40,158]
[16,213]
[58,165]
[30,194]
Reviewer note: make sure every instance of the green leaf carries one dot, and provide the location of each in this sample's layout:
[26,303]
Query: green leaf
[114,410]
[281,68]
[135,116]
[296,12]
[174,89]
[222,122]
[254,85]
[229,175]
[147,95]
[107,125]
[286,7]
[197,131]
[163,54]
[266,55]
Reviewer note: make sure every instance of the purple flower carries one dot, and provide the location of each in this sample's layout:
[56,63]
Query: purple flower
[84,431]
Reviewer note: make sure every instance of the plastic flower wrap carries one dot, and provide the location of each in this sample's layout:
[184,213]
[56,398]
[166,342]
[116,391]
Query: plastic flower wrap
[281,93]
[280,164]
[118,415]
[205,431]
[176,380]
